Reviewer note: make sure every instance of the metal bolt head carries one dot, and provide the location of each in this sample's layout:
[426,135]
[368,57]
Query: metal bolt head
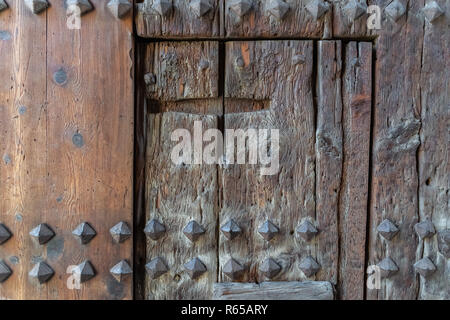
[41,272]
[149,79]
[444,242]
[85,271]
[269,268]
[387,267]
[231,229]
[309,266]
[432,11]
[425,267]
[85,232]
[119,8]
[193,230]
[277,8]
[84,5]
[5,234]
[425,229]
[5,271]
[156,267]
[298,59]
[317,8]
[42,233]
[120,232]
[163,7]
[3,5]
[268,230]
[121,271]
[233,269]
[387,229]
[37,6]
[154,229]
[195,268]
[395,10]
[307,231]
[203,64]
[354,9]
[241,7]
[200,7]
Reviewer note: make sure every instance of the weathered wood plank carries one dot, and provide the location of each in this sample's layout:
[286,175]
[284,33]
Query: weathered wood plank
[180,70]
[286,290]
[180,21]
[353,201]
[259,22]
[329,156]
[175,195]
[433,153]
[90,147]
[23,151]
[270,70]
[396,138]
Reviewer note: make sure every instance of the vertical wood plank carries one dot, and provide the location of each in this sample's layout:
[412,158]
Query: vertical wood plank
[353,202]
[90,146]
[23,152]
[433,154]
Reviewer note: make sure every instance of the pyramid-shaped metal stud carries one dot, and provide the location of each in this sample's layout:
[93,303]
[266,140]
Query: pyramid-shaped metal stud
[354,9]
[120,232]
[233,269]
[432,11]
[41,272]
[443,239]
[231,229]
[37,6]
[84,5]
[85,271]
[241,7]
[162,7]
[387,229]
[200,7]
[121,270]
[195,268]
[5,271]
[156,267]
[387,267]
[425,267]
[307,231]
[5,234]
[119,8]
[154,229]
[277,8]
[395,10]
[269,268]
[309,266]
[84,232]
[425,229]
[268,230]
[3,5]
[42,233]
[193,230]
[317,8]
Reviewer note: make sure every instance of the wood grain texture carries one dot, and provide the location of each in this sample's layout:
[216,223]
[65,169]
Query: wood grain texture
[183,71]
[259,23]
[74,146]
[180,23]
[396,139]
[287,197]
[23,151]
[283,290]
[176,195]
[353,202]
[433,153]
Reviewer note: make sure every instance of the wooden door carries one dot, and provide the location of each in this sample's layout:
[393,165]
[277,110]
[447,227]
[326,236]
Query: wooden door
[208,225]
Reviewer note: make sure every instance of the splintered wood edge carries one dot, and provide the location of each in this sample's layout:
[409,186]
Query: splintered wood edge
[286,290]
